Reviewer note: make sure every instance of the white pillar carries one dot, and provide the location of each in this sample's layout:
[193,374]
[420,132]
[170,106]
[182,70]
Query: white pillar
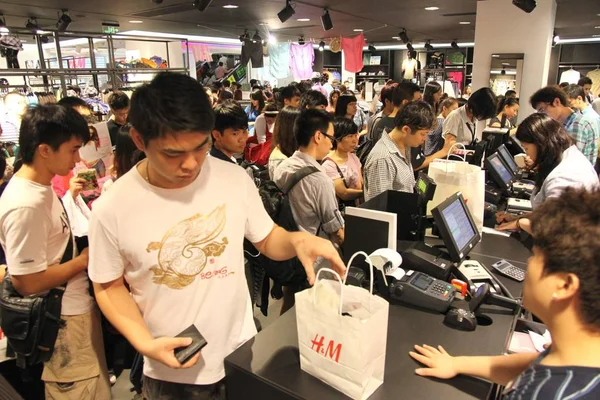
[503,28]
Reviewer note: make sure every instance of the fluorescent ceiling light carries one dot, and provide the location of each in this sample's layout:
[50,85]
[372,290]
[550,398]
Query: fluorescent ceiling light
[432,8]
[359,30]
[303,19]
[465,23]
[496,55]
[580,40]
[231,6]
[419,46]
[495,72]
[136,21]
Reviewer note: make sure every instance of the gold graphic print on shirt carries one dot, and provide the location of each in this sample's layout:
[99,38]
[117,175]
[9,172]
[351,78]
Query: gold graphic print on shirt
[186,247]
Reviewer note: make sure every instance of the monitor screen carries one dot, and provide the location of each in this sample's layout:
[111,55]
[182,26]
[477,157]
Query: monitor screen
[508,159]
[458,223]
[502,172]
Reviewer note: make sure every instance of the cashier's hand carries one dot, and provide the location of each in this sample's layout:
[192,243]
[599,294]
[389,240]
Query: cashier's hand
[162,350]
[508,226]
[439,363]
[502,217]
[309,248]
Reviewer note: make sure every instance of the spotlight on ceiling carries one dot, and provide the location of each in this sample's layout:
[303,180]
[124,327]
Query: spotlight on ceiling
[410,47]
[201,5]
[503,72]
[3,28]
[63,21]
[372,47]
[301,40]
[404,36]
[454,45]
[287,12]
[326,20]
[256,38]
[32,24]
[428,46]
[157,1]
[44,39]
[321,45]
[525,5]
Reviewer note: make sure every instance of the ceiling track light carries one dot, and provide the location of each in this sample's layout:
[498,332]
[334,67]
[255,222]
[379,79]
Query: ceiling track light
[404,36]
[63,21]
[321,45]
[201,5]
[525,5]
[301,40]
[428,46]
[410,47]
[326,20]
[454,45]
[287,12]
[372,47]
[555,39]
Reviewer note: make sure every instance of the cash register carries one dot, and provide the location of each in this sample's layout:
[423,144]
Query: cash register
[501,175]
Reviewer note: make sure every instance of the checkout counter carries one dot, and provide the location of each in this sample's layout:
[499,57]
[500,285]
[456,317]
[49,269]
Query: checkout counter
[268,366]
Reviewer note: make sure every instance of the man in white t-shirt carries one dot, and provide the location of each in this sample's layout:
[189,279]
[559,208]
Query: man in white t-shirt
[173,228]
[34,232]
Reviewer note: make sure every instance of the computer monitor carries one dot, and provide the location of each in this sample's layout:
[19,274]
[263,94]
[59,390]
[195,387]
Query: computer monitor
[456,226]
[499,172]
[477,157]
[494,138]
[508,159]
[368,230]
[404,205]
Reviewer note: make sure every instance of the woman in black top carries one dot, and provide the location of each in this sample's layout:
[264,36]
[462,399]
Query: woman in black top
[508,108]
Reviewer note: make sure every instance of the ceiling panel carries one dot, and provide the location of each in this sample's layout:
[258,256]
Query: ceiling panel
[380,19]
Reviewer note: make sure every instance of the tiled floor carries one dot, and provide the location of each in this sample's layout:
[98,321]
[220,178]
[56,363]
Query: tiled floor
[121,389]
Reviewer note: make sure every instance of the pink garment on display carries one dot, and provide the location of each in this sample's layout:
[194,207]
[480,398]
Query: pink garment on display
[302,58]
[200,51]
[456,77]
[353,49]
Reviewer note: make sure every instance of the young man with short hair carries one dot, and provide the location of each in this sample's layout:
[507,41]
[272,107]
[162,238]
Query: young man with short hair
[313,99]
[35,231]
[313,202]
[403,93]
[460,125]
[290,96]
[553,101]
[561,288]
[119,106]
[386,98]
[176,237]
[389,166]
[230,132]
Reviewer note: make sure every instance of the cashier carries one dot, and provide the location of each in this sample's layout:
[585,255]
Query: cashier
[557,162]
[561,288]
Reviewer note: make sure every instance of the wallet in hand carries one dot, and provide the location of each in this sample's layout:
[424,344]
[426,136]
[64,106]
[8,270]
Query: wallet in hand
[183,354]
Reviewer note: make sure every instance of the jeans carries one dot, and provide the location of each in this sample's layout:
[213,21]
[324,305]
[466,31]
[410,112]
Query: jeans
[154,389]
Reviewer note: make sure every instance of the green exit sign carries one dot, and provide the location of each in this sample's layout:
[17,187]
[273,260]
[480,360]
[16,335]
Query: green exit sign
[110,29]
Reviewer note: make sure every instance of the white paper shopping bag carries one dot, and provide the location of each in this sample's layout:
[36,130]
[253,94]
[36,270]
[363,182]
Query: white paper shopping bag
[457,176]
[342,334]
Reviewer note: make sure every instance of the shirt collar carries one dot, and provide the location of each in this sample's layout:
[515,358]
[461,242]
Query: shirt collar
[463,114]
[307,159]
[390,144]
[219,154]
[570,119]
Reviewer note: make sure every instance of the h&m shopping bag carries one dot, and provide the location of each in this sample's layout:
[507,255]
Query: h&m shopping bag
[342,334]
[458,176]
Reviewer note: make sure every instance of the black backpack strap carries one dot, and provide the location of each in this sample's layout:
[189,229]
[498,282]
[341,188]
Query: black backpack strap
[298,176]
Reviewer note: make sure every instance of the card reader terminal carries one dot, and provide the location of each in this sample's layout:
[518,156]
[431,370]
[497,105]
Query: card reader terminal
[422,290]
[475,275]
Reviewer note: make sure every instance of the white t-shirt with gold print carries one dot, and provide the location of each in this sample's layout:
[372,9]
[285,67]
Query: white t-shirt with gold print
[180,250]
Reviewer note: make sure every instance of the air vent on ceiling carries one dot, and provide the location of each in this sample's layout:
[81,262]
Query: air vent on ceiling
[470,14]
[157,12]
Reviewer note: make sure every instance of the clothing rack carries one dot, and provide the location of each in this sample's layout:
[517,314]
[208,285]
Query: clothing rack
[579,65]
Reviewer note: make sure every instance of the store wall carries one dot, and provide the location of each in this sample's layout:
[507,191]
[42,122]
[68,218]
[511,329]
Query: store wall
[530,34]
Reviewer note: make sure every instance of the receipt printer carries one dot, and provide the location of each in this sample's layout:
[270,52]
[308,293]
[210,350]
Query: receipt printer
[430,260]
[518,206]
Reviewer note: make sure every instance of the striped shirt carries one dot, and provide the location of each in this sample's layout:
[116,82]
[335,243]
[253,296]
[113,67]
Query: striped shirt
[387,168]
[585,135]
[541,382]
[9,131]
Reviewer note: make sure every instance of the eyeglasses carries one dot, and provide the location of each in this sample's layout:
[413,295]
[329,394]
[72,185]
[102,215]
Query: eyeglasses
[543,109]
[332,138]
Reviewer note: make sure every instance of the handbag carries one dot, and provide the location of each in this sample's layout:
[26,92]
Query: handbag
[31,323]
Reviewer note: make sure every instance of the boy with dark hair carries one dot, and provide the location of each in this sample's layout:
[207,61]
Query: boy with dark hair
[119,106]
[553,101]
[388,166]
[313,99]
[312,200]
[402,94]
[561,288]
[76,103]
[460,125]
[290,96]
[230,132]
[35,231]
[177,236]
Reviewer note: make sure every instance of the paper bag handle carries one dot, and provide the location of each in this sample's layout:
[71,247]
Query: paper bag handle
[368,259]
[339,278]
[463,158]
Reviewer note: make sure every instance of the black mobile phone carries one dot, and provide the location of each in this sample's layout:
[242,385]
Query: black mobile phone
[183,354]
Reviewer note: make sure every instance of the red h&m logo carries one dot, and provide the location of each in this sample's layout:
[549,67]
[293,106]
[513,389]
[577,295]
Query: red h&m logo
[332,350]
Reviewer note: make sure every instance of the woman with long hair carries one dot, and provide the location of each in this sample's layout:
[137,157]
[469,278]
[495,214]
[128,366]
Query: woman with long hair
[333,98]
[508,108]
[557,161]
[257,103]
[435,141]
[347,107]
[284,141]
[342,165]
[432,95]
[126,155]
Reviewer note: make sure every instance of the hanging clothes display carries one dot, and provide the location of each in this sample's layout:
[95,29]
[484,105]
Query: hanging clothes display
[352,49]
[252,51]
[279,60]
[457,77]
[200,51]
[570,76]
[302,58]
[595,77]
